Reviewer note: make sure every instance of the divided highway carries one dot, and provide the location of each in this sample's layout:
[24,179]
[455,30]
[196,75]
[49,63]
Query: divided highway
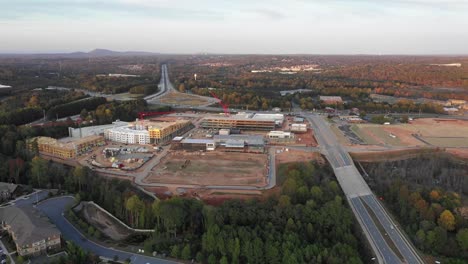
[388,242]
[164,86]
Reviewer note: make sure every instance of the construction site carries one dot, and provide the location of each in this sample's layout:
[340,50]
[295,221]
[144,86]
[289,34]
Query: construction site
[210,169]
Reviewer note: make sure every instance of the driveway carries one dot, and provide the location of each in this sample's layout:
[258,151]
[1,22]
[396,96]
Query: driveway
[54,208]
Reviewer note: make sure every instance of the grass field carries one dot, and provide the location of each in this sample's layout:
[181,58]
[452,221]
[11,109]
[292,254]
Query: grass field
[127,96]
[183,99]
[437,132]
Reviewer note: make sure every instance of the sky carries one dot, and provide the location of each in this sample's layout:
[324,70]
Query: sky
[236,26]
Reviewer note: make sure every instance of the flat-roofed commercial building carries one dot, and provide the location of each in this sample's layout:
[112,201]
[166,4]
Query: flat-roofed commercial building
[67,148]
[234,143]
[244,121]
[32,232]
[193,144]
[244,143]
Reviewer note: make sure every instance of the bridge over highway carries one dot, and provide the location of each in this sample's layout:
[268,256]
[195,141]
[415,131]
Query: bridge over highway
[386,239]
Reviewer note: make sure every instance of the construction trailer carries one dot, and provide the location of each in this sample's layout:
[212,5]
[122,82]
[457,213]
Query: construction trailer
[299,128]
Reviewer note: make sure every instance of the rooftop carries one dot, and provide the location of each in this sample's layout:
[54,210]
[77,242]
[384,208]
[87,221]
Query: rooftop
[78,141]
[249,139]
[131,130]
[66,143]
[279,133]
[251,116]
[10,187]
[159,124]
[96,130]
[197,141]
[28,224]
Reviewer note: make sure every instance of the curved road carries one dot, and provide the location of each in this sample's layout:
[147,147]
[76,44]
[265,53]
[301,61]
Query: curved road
[54,208]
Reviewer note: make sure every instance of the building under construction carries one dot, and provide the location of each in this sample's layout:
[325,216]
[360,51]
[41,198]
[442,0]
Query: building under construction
[69,148]
[225,143]
[149,131]
[244,121]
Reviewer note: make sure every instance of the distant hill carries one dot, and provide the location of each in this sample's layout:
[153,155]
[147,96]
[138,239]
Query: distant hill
[80,54]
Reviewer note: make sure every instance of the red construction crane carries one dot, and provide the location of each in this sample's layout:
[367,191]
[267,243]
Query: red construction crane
[142,115]
[224,105]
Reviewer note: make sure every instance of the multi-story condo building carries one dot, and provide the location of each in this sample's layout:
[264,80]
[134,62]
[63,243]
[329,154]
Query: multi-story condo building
[32,232]
[67,148]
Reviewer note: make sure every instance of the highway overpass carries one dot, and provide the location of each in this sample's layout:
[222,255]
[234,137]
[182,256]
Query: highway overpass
[387,241]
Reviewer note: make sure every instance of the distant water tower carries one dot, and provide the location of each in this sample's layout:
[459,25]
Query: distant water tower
[195,76]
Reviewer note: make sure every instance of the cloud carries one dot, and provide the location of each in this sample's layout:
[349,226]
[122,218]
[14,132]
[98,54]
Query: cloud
[268,13]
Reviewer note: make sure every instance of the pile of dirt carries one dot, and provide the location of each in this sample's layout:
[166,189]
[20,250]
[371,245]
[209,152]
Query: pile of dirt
[104,223]
[388,155]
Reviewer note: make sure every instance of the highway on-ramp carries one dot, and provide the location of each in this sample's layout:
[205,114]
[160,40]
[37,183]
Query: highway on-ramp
[387,241]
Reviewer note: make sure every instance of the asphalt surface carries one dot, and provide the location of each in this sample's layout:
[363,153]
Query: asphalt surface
[358,192]
[373,230]
[165,85]
[55,208]
[29,199]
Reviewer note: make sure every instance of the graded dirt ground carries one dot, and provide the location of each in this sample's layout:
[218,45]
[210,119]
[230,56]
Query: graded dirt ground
[210,168]
[293,155]
[104,223]
[420,132]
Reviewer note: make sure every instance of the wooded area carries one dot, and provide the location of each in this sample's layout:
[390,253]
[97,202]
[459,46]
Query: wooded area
[425,193]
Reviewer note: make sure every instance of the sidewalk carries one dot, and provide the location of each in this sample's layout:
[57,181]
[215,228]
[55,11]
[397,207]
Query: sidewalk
[5,251]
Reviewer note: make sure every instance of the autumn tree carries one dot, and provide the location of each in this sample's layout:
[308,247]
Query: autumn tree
[447,220]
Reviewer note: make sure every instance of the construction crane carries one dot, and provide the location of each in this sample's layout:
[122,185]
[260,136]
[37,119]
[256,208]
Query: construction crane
[142,115]
[224,105]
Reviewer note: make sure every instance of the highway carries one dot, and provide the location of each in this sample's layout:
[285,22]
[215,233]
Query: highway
[164,86]
[385,238]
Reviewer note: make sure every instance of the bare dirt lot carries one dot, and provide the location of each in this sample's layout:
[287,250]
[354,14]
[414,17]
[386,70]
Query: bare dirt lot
[297,156]
[104,223]
[420,132]
[210,168]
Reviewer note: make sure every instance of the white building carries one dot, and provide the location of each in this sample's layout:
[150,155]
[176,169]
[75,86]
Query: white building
[299,127]
[278,118]
[128,135]
[94,130]
[280,135]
